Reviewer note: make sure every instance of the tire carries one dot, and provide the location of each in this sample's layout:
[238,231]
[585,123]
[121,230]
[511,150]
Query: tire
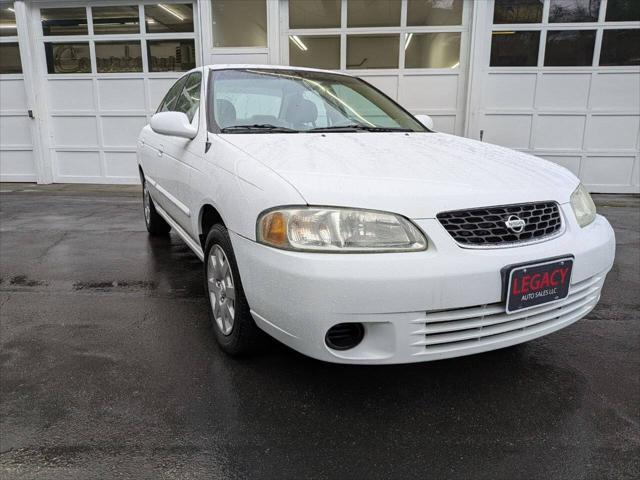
[229,313]
[156,225]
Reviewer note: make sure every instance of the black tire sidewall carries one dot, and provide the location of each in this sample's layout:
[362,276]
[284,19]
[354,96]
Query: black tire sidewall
[244,330]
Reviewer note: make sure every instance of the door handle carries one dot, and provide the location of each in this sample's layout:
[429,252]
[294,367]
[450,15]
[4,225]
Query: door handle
[159,153]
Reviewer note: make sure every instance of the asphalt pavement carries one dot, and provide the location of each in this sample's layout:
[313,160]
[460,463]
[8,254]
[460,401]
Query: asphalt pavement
[108,369]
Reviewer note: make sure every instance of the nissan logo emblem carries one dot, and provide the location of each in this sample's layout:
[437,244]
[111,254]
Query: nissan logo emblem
[515,224]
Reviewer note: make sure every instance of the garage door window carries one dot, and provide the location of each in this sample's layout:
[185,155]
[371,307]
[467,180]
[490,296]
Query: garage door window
[10,58]
[568,48]
[239,24]
[68,57]
[114,20]
[135,46]
[8,22]
[115,57]
[64,21]
[413,34]
[564,33]
[620,47]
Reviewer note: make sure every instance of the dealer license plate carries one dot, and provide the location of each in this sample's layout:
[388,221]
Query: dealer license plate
[538,283]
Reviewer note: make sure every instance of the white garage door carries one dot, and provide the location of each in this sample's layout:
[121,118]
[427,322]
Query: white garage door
[17,157]
[107,68]
[416,51]
[561,79]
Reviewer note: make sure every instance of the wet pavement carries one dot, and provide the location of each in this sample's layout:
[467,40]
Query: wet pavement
[108,368]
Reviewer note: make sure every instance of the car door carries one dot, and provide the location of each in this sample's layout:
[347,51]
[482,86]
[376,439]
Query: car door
[182,153]
[158,166]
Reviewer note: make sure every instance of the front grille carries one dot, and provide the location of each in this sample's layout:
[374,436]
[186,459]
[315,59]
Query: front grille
[444,331]
[485,227]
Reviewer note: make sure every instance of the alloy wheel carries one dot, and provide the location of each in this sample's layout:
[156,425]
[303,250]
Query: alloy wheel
[222,293]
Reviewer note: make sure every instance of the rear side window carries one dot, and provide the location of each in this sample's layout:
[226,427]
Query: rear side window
[189,99]
[170,98]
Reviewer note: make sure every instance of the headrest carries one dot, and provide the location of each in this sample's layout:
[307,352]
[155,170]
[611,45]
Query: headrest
[225,113]
[301,111]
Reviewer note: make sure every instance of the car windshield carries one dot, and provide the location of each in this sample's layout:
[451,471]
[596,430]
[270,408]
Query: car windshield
[294,101]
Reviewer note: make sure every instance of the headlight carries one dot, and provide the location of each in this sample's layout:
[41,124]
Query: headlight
[583,206]
[338,230]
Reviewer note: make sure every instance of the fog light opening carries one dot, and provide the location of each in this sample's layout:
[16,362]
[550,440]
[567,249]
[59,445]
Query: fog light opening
[344,336]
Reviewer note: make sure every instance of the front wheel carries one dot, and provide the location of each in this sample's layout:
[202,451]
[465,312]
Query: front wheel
[234,328]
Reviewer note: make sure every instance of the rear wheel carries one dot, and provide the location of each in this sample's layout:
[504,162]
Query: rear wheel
[233,326]
[156,225]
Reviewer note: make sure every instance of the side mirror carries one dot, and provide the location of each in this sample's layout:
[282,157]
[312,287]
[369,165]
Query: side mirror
[426,120]
[175,124]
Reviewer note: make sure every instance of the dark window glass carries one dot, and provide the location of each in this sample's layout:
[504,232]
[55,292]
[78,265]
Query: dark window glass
[64,21]
[381,13]
[170,98]
[68,57]
[434,12]
[515,49]
[322,51]
[569,48]
[170,17]
[620,47]
[372,51]
[239,24]
[517,11]
[316,14]
[574,11]
[432,50]
[171,55]
[8,21]
[114,20]
[114,57]
[189,99]
[10,58]
[623,11]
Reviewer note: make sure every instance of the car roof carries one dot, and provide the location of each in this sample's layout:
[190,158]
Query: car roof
[232,66]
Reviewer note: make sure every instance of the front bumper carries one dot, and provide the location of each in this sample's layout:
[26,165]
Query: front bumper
[443,302]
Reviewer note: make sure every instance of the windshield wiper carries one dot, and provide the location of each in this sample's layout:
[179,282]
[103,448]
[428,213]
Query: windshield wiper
[358,128]
[257,128]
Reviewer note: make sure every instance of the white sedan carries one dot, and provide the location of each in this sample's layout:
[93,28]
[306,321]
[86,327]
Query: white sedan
[337,222]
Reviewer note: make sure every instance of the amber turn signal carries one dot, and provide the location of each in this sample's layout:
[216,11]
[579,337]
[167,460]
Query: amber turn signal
[274,229]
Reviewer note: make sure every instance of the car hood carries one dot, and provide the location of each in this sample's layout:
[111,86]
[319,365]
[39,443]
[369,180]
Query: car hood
[414,174]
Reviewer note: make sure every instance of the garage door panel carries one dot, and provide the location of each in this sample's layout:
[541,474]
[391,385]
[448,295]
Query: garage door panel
[14,96]
[563,91]
[121,164]
[508,130]
[429,92]
[75,131]
[559,132]
[71,95]
[612,132]
[17,162]
[15,130]
[607,170]
[388,84]
[619,91]
[122,131]
[78,164]
[121,94]
[570,163]
[500,91]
